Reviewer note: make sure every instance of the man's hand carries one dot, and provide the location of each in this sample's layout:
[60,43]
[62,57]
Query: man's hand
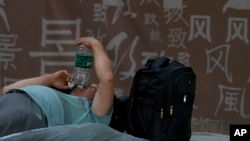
[60,79]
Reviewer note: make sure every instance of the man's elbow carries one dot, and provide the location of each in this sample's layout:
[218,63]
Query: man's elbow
[3,91]
[108,78]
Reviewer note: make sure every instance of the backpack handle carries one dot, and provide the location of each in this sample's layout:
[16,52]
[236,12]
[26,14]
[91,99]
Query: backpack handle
[162,61]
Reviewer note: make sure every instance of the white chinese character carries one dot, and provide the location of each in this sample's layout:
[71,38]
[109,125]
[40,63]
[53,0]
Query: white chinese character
[200,26]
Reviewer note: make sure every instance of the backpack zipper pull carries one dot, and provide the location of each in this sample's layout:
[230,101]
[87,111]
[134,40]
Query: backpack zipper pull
[161,113]
[185,98]
[171,110]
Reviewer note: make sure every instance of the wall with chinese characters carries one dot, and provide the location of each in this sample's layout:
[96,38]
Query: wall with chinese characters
[37,37]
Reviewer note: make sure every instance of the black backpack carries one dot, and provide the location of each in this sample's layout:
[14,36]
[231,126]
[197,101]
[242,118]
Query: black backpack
[161,101]
[119,118]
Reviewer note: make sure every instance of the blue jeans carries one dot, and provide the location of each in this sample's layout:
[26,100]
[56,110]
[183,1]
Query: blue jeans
[18,112]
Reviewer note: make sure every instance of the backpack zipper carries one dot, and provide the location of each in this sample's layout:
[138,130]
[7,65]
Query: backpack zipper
[171,110]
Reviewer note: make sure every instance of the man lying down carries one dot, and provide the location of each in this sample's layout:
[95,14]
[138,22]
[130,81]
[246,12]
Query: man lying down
[36,103]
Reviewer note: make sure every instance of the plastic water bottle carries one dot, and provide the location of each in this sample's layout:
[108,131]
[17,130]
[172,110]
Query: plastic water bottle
[83,66]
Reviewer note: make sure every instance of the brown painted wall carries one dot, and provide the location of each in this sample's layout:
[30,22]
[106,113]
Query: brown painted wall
[37,37]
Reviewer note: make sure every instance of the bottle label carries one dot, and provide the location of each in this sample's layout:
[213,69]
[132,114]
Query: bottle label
[84,61]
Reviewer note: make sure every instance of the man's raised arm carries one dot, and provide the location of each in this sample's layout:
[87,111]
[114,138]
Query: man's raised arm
[103,99]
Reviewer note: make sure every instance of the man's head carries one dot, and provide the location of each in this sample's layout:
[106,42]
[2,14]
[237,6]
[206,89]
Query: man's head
[87,92]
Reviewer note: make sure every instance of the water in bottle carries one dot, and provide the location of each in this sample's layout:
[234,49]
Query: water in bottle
[83,66]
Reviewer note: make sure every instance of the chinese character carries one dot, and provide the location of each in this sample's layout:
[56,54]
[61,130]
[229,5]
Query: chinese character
[100,13]
[200,26]
[174,10]
[237,4]
[129,11]
[155,35]
[218,58]
[64,28]
[183,57]
[119,4]
[150,19]
[237,28]
[3,15]
[234,99]
[176,38]
[207,124]
[114,44]
[98,35]
[7,52]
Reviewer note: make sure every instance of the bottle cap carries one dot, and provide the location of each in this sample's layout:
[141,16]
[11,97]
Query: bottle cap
[71,84]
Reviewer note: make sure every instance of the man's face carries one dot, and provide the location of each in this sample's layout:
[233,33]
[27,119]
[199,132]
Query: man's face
[87,92]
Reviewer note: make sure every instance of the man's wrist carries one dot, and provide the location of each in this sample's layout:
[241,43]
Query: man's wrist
[48,79]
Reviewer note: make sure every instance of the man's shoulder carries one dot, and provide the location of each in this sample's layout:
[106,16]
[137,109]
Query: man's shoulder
[39,90]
